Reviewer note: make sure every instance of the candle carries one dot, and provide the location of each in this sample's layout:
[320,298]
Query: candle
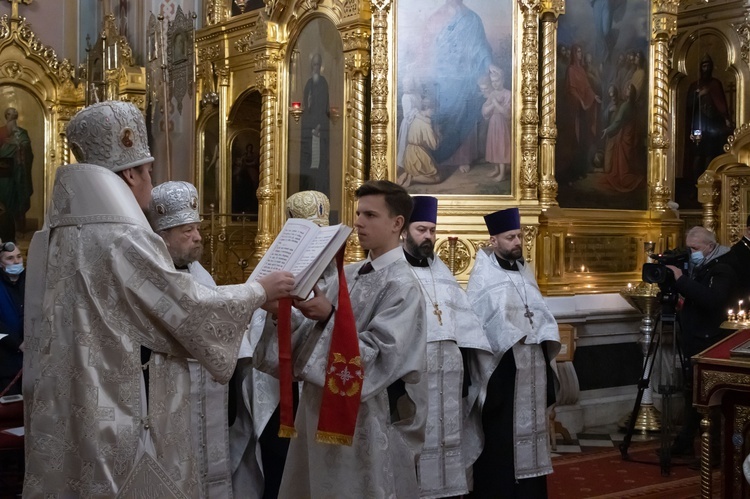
[296,105]
[583,268]
[730,316]
[630,285]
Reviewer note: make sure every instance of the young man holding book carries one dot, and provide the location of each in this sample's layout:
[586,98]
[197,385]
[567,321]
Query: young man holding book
[389,312]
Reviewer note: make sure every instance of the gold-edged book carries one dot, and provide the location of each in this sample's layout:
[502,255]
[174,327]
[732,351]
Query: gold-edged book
[742,350]
[305,250]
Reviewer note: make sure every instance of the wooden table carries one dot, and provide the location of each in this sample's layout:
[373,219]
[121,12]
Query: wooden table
[722,380]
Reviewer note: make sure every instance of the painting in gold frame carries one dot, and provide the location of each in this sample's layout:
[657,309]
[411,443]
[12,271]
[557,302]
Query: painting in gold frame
[454,101]
[21,163]
[602,105]
[316,89]
[706,109]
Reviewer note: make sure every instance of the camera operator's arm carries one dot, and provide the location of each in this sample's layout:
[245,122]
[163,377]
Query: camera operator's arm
[712,295]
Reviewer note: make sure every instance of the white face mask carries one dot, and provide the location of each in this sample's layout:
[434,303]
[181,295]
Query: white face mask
[696,257]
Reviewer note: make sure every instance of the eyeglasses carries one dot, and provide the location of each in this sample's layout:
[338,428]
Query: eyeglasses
[7,247]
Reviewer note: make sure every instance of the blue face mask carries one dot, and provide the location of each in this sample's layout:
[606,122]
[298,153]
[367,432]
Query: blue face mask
[696,257]
[14,269]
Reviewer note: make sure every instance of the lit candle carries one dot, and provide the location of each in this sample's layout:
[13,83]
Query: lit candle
[730,316]
[296,105]
[583,268]
[630,285]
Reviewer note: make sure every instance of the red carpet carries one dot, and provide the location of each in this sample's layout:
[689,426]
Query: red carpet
[605,475]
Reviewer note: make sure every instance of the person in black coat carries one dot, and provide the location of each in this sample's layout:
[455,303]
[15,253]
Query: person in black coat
[707,290]
[12,286]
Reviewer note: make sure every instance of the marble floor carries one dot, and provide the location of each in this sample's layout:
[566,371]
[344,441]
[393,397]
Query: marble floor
[593,439]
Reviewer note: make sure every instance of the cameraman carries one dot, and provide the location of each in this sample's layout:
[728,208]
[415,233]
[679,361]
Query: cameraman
[706,289]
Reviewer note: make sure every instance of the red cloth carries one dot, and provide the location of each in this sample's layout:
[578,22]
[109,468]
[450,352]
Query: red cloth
[286,400]
[342,392]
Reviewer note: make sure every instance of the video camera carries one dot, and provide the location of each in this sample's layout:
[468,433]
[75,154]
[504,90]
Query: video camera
[659,273]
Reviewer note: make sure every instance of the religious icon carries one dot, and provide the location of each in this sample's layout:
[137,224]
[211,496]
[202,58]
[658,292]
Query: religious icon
[602,99]
[455,101]
[16,159]
[708,120]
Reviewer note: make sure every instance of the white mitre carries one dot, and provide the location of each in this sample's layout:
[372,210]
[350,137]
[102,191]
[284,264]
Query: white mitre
[173,204]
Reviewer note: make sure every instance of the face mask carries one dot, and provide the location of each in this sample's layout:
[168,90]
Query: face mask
[696,257]
[14,269]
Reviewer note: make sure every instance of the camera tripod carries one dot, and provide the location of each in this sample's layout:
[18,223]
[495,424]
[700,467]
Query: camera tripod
[664,338]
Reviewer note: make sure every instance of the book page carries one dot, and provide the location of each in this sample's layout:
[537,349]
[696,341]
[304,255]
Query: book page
[313,250]
[285,249]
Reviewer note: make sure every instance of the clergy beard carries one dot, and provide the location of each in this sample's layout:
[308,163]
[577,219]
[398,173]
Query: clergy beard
[511,255]
[315,77]
[183,258]
[424,250]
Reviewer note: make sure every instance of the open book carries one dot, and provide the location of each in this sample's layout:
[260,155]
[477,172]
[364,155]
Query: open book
[305,250]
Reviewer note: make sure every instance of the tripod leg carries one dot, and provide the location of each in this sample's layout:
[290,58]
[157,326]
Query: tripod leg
[642,385]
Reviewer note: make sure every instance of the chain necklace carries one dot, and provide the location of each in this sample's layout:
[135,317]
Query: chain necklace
[524,298]
[435,307]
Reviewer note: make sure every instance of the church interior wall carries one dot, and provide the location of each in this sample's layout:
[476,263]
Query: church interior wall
[607,328]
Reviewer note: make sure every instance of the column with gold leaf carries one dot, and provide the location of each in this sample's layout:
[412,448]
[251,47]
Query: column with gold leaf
[529,99]
[357,61]
[663,30]
[379,90]
[550,12]
[266,74]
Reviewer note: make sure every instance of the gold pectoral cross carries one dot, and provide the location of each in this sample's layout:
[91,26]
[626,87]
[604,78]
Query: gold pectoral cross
[438,312]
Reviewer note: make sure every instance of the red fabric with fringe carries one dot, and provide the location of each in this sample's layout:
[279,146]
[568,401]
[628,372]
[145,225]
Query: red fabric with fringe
[342,392]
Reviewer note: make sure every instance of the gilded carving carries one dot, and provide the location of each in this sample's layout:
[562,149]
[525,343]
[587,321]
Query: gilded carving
[529,93]
[529,238]
[743,32]
[209,53]
[455,254]
[351,8]
[711,379]
[737,185]
[12,69]
[356,39]
[664,29]
[379,119]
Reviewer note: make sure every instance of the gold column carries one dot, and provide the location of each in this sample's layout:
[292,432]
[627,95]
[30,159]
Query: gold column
[223,74]
[663,30]
[379,91]
[357,63]
[529,99]
[551,10]
[706,452]
[266,67]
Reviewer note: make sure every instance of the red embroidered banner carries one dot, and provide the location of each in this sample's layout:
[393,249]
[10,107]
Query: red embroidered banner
[342,392]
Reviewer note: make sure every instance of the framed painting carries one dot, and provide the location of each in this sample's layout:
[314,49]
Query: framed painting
[705,100]
[454,96]
[243,128]
[22,153]
[316,92]
[601,158]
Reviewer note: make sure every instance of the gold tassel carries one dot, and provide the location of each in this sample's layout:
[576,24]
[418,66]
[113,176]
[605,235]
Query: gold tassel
[325,437]
[287,431]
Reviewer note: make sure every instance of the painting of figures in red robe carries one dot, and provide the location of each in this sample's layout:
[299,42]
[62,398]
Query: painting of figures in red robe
[706,99]
[455,96]
[602,99]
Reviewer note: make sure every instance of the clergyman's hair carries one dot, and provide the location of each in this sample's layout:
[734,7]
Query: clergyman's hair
[703,234]
[396,198]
